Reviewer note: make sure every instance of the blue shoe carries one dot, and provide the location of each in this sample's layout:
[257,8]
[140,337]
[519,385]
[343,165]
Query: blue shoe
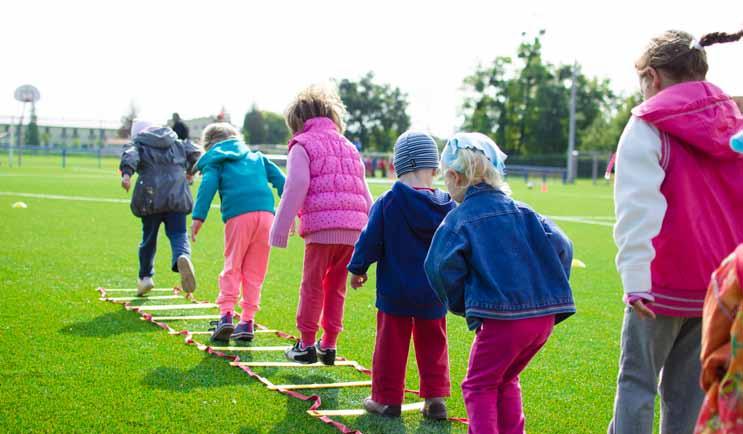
[243,332]
[224,328]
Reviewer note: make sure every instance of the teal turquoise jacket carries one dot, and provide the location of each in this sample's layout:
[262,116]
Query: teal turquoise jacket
[241,176]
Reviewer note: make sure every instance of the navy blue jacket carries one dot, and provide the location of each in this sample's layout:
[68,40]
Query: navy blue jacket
[401,225]
[496,258]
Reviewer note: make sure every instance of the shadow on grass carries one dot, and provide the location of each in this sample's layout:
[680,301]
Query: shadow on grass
[204,375]
[110,324]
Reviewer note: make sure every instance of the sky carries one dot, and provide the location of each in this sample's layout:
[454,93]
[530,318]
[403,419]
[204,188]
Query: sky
[92,59]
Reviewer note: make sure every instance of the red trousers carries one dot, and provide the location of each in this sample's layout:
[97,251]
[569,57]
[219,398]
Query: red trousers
[391,357]
[323,292]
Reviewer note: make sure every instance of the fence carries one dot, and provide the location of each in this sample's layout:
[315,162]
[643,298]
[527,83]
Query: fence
[589,165]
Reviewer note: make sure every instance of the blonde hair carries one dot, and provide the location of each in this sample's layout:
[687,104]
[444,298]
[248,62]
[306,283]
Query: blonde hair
[674,53]
[313,102]
[477,168]
[217,132]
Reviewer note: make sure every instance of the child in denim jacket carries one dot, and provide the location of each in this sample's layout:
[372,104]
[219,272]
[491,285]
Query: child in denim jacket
[505,269]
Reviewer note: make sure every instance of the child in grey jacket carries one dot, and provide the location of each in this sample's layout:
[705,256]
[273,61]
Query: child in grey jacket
[161,196]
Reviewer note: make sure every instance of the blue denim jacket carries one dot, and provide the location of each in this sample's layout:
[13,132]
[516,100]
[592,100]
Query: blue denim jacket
[494,258]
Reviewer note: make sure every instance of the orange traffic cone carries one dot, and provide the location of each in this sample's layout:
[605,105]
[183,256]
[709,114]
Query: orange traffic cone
[544,187]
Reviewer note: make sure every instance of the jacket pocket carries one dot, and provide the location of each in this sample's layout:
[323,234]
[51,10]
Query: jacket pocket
[143,199]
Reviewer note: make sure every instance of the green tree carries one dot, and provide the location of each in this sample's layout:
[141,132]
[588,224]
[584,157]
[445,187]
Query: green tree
[604,132]
[254,127]
[377,113]
[524,105]
[276,129]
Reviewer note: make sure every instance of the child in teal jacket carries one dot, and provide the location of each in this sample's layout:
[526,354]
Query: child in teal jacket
[247,203]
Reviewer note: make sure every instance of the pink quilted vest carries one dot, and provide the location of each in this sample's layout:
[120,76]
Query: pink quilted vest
[703,188]
[336,196]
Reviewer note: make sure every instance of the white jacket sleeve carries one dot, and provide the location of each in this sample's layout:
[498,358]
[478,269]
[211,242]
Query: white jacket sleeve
[639,205]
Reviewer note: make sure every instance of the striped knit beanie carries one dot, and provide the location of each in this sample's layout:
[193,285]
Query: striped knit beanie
[415,150]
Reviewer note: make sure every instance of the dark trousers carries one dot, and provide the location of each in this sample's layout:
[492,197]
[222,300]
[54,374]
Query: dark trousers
[175,229]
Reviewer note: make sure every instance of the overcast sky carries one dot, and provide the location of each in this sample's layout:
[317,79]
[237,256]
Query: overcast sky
[90,59]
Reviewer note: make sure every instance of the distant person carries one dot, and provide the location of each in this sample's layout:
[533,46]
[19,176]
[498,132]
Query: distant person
[357,144]
[678,204]
[161,196]
[325,186]
[503,267]
[180,128]
[241,177]
[401,225]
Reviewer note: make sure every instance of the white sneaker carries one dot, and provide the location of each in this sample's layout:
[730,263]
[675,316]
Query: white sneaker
[188,277]
[144,285]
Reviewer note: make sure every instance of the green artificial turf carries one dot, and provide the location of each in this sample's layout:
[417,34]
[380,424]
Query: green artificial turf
[72,363]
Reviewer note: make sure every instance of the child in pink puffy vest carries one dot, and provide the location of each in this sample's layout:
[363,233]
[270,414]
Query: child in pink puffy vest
[326,188]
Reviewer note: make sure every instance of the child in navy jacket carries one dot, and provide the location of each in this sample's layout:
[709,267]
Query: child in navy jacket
[401,225]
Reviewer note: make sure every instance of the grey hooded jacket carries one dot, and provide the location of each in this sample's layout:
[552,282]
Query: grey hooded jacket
[161,160]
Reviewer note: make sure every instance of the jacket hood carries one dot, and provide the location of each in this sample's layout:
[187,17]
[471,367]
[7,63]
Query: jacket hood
[231,149]
[162,137]
[698,113]
[422,210]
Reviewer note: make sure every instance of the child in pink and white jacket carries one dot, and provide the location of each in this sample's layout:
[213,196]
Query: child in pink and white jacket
[326,188]
[678,206]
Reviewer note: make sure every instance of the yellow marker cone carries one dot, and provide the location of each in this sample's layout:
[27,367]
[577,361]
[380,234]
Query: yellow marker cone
[577,263]
[19,205]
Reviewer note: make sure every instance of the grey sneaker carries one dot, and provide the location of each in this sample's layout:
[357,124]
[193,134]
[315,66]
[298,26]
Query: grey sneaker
[435,408]
[188,277]
[243,332]
[372,406]
[224,328]
[306,356]
[144,285]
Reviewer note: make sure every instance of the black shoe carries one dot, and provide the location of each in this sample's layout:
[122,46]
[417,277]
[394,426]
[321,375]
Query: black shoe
[243,331]
[327,356]
[306,356]
[435,409]
[224,328]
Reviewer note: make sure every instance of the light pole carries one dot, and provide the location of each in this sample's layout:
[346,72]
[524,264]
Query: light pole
[571,131]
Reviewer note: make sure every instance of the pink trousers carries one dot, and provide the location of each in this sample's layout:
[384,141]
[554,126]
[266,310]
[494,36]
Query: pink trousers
[246,251]
[491,389]
[323,292]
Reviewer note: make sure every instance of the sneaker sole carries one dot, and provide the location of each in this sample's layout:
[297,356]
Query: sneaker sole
[242,336]
[223,334]
[435,416]
[188,279]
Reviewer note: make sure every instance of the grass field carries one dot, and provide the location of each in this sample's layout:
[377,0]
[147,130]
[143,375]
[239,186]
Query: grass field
[71,363]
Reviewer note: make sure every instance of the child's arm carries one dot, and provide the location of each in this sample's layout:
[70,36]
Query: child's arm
[369,247]
[207,190]
[129,160]
[561,243]
[295,191]
[639,204]
[446,268]
[275,176]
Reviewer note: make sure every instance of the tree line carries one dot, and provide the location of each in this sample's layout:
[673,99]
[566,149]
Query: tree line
[521,101]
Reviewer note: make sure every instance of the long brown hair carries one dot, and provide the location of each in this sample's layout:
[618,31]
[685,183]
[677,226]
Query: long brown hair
[675,53]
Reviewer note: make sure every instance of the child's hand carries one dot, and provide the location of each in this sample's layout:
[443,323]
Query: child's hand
[293,229]
[126,182]
[358,281]
[642,310]
[195,228]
